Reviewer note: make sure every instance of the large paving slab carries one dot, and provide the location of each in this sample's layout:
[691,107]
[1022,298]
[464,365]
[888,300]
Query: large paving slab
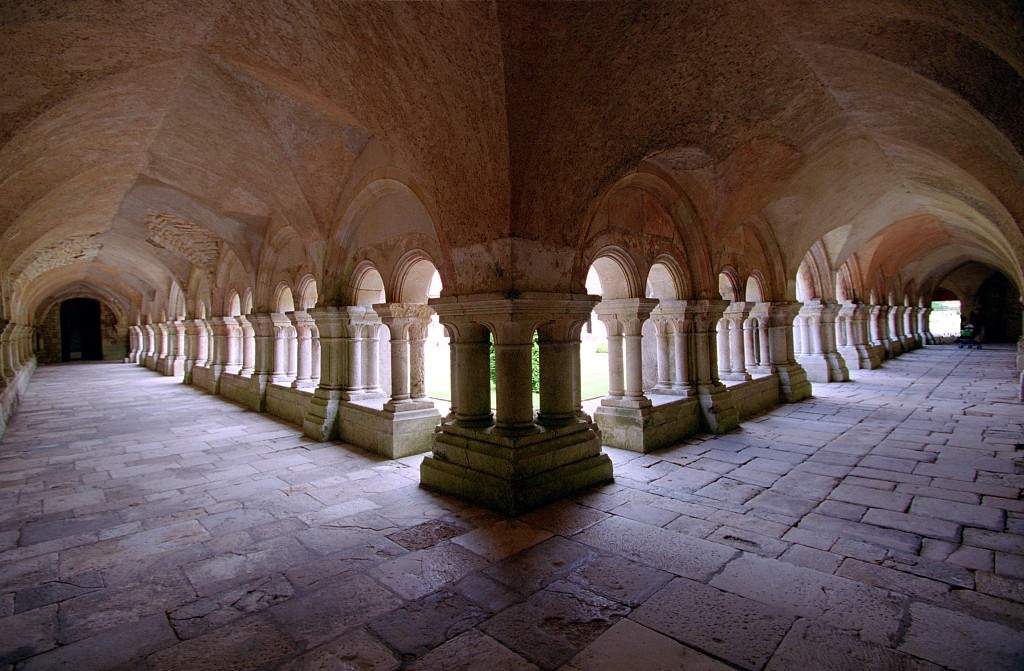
[147,525]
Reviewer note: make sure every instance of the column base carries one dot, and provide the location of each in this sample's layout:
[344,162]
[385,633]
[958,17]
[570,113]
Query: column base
[389,434]
[512,474]
[734,377]
[174,366]
[793,383]
[909,343]
[718,411]
[649,428]
[321,422]
[828,367]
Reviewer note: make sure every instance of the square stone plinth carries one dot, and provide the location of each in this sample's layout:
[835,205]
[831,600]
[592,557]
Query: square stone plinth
[512,474]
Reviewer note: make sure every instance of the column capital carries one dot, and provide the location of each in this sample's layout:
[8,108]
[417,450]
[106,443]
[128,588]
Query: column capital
[404,320]
[511,318]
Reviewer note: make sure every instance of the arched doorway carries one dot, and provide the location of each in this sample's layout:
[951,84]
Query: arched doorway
[80,334]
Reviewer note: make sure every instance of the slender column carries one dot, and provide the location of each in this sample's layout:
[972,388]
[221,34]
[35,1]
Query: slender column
[248,346]
[559,344]
[303,325]
[749,329]
[408,324]
[681,355]
[354,384]
[399,362]
[291,338]
[513,345]
[722,348]
[623,319]
[315,372]
[736,315]
[634,362]
[282,329]
[371,360]
[616,384]
[472,397]
[417,364]
[663,340]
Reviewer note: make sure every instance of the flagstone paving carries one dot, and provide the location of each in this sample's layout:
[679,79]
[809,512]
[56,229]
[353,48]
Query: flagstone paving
[147,525]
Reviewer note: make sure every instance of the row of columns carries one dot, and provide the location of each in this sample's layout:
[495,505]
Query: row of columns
[898,328]
[17,347]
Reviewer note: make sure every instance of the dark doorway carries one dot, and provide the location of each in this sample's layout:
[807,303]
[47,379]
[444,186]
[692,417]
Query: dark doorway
[80,330]
[998,309]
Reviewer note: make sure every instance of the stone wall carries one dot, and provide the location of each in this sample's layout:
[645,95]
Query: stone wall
[49,336]
[114,336]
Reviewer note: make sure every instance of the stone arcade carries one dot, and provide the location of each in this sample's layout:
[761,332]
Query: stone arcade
[511,334]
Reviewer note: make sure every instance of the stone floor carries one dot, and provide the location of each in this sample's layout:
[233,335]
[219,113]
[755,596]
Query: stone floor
[879,525]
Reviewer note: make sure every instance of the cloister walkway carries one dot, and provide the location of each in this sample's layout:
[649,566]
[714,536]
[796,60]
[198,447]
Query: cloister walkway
[145,524]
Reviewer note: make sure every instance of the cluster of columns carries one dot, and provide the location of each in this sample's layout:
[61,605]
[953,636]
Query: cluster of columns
[895,329]
[512,458]
[267,347]
[815,341]
[17,347]
[742,341]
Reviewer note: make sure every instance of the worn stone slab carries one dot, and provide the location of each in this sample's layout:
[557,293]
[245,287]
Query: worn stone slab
[677,553]
[470,651]
[553,625]
[959,641]
[629,645]
[670,612]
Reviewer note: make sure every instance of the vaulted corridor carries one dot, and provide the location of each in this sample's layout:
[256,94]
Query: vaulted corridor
[146,524]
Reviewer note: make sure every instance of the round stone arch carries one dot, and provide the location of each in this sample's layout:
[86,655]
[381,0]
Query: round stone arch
[413,278]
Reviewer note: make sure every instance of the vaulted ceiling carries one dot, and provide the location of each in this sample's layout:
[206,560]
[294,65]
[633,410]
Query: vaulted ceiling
[139,143]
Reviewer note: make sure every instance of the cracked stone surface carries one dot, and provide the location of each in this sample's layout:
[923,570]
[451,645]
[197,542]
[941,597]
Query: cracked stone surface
[217,537]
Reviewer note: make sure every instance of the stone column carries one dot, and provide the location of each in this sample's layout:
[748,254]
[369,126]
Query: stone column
[821,360]
[722,348]
[133,345]
[717,408]
[736,314]
[923,327]
[417,361]
[248,346]
[321,422]
[516,465]
[315,346]
[623,319]
[910,328]
[270,355]
[559,344]
[407,324]
[225,356]
[892,325]
[371,360]
[7,364]
[175,365]
[793,382]
[160,353]
[148,358]
[304,326]
[192,330]
[857,351]
[471,388]
[672,319]
[663,336]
